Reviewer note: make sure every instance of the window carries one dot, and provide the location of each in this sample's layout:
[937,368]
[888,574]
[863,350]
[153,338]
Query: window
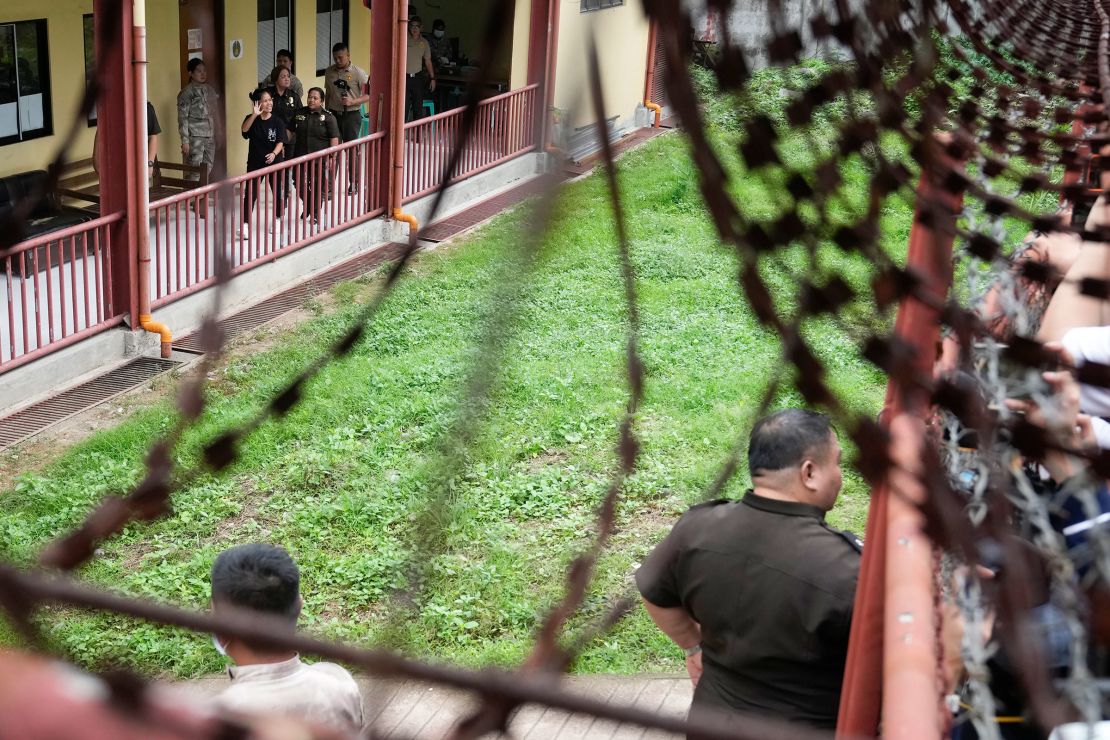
[588,5]
[331,28]
[275,31]
[24,82]
[90,58]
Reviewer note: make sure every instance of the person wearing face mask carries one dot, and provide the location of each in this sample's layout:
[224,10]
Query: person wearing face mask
[264,579]
[759,592]
[442,51]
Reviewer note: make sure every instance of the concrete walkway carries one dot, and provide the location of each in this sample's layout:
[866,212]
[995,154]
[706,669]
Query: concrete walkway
[406,709]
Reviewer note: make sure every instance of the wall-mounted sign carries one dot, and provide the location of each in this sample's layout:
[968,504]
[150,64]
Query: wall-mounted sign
[195,38]
[236,49]
[196,55]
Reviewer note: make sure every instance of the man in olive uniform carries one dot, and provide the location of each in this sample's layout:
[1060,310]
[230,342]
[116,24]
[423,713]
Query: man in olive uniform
[759,592]
[345,84]
[196,117]
[313,129]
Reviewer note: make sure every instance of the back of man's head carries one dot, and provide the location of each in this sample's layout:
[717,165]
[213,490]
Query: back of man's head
[786,438]
[259,577]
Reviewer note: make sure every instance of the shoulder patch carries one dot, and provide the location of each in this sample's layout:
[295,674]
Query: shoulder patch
[852,540]
[714,502]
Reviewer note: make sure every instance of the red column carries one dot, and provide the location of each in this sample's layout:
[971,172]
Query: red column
[383,27]
[117,147]
[543,39]
[874,666]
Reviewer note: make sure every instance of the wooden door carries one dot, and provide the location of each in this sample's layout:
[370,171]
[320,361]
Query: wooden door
[201,28]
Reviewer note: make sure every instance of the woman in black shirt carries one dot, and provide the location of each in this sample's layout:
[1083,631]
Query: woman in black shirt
[265,134]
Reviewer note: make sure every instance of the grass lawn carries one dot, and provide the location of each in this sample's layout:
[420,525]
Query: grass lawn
[340,481]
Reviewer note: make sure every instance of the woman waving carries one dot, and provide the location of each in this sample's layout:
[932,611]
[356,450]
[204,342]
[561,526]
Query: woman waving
[265,134]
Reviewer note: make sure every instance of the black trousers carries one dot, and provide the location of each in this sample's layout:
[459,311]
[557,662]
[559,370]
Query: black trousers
[350,124]
[251,189]
[416,87]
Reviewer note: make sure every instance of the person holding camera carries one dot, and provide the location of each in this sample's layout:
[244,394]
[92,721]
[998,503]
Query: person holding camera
[266,136]
[344,86]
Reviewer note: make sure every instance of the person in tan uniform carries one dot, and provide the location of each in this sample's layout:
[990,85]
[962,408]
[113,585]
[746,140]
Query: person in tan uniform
[345,91]
[420,76]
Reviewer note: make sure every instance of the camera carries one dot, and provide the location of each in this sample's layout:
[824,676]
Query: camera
[344,88]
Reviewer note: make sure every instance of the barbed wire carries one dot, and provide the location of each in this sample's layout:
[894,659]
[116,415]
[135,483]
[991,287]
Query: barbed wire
[1036,66]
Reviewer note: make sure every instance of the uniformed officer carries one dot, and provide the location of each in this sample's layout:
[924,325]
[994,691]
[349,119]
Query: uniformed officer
[196,117]
[759,592]
[284,58]
[313,129]
[345,84]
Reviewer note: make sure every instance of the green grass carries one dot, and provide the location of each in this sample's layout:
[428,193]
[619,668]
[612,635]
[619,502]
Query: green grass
[340,481]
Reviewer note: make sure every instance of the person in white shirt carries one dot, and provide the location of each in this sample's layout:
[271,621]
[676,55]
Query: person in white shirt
[263,578]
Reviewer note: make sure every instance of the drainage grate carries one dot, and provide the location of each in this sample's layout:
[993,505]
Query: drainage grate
[271,308]
[34,419]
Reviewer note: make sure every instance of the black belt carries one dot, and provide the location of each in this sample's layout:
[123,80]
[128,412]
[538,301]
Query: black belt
[338,113]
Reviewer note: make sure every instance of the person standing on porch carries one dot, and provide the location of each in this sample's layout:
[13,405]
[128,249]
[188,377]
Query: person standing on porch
[266,137]
[345,87]
[313,129]
[196,118]
[420,76]
[284,59]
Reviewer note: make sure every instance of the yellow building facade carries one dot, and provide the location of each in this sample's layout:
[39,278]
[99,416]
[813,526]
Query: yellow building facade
[621,32]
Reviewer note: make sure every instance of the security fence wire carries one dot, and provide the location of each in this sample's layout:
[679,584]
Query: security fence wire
[965,110]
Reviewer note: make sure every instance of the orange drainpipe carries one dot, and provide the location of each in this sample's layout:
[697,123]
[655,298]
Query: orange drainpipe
[891,673]
[649,80]
[141,205]
[398,127]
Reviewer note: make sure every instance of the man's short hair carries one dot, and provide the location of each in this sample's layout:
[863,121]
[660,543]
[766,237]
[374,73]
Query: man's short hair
[438,24]
[786,438]
[284,53]
[338,47]
[193,64]
[259,577]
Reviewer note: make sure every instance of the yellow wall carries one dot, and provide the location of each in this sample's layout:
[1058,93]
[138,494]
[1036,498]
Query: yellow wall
[163,73]
[518,76]
[67,82]
[622,37]
[240,76]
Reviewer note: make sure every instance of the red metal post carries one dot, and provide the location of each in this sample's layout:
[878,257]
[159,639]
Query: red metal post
[892,666]
[118,147]
[383,27]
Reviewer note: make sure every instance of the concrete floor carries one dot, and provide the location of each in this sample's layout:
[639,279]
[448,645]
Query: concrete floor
[405,709]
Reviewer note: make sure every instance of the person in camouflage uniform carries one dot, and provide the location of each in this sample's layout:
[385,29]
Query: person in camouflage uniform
[196,117]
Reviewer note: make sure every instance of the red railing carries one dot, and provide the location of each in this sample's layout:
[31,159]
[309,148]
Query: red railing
[56,289]
[504,129]
[316,196]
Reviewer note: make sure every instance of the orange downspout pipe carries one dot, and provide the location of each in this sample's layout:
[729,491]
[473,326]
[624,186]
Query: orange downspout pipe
[141,204]
[649,81]
[891,673]
[398,114]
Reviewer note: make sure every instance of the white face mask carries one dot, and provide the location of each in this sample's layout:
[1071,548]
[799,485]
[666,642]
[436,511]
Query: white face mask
[439,33]
[219,648]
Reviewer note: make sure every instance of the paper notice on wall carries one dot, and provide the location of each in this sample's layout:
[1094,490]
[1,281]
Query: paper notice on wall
[196,55]
[195,38]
